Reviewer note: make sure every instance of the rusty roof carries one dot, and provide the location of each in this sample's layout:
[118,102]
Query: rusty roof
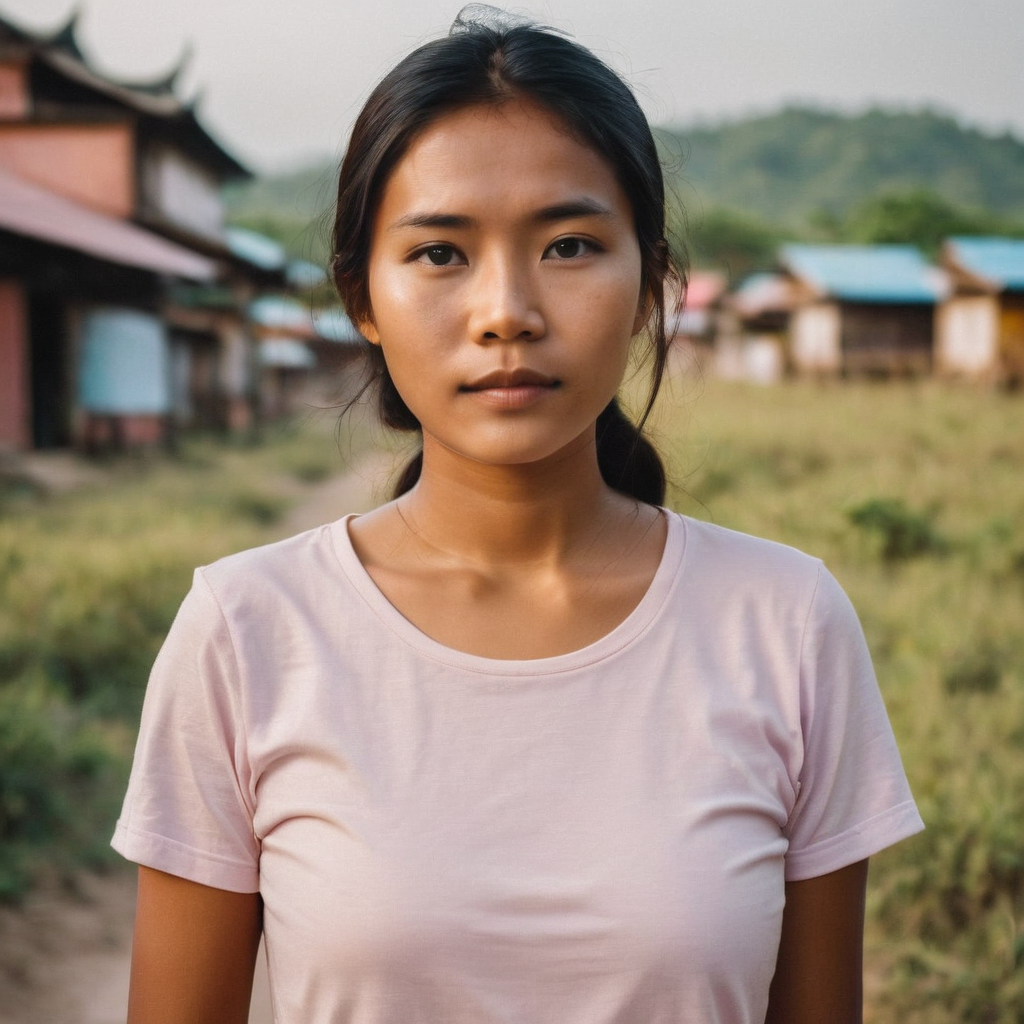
[34,212]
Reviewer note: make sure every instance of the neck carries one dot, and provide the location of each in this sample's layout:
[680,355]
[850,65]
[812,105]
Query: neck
[542,512]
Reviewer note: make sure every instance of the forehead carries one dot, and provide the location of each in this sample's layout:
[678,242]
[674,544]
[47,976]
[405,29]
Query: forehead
[499,158]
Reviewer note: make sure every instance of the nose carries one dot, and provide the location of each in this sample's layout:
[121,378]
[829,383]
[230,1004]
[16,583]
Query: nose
[505,304]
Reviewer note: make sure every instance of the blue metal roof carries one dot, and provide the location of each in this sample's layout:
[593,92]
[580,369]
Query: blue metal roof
[999,261]
[864,273]
[305,275]
[334,325]
[255,248]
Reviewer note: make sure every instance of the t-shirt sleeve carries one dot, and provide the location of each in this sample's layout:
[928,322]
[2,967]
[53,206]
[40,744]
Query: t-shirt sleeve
[853,797]
[189,807]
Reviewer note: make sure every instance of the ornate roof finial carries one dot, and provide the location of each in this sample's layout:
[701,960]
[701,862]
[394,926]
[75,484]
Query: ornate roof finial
[66,38]
[166,85]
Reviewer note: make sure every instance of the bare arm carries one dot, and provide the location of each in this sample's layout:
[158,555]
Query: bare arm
[819,972]
[194,952]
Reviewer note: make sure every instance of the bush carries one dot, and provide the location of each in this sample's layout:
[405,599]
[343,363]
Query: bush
[902,533]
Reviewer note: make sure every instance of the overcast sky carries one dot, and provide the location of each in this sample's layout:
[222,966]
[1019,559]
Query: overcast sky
[281,81]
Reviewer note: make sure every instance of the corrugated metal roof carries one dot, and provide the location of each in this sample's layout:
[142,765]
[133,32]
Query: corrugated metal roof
[865,273]
[1000,261]
[29,210]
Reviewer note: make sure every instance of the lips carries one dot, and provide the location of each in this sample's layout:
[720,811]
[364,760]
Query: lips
[521,377]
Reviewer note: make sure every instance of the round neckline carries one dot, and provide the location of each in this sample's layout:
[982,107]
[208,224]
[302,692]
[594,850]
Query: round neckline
[618,639]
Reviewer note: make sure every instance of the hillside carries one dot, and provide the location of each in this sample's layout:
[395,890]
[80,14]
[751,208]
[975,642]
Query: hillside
[798,163]
[747,184]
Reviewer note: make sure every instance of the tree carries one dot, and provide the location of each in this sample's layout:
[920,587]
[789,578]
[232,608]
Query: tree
[737,242]
[919,217]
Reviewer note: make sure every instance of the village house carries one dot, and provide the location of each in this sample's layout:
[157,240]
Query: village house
[691,325]
[303,354]
[753,330]
[122,301]
[980,330]
[861,309]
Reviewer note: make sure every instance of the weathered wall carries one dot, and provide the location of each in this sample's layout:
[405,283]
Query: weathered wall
[966,342]
[14,374]
[815,338]
[92,164]
[14,101]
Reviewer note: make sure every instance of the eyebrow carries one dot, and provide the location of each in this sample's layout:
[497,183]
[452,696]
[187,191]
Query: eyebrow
[569,210]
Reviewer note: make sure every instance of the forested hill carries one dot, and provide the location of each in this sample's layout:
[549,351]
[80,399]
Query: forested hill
[792,165]
[746,185]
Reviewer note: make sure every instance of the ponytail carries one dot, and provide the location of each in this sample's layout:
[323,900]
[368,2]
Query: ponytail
[628,461]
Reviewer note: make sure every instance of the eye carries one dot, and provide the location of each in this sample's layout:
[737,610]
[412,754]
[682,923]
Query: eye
[569,248]
[439,256]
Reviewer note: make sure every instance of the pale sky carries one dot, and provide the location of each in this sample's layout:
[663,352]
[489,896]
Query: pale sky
[282,81]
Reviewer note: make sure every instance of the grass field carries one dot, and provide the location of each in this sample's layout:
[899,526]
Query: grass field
[913,495]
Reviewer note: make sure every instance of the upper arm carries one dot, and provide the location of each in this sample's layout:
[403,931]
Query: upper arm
[819,971]
[194,952]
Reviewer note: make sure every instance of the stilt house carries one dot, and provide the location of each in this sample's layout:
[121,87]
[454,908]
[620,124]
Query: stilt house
[861,309]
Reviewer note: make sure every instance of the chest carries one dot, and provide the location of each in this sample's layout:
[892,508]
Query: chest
[594,826]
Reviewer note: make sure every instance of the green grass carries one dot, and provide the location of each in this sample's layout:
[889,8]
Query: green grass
[89,584]
[914,496]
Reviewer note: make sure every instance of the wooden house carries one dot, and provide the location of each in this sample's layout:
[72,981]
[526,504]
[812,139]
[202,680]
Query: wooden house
[980,330]
[126,240]
[861,309]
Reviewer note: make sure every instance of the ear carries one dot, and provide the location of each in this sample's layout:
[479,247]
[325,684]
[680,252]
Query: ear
[369,331]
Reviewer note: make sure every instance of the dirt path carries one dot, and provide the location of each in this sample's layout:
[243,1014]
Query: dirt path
[65,955]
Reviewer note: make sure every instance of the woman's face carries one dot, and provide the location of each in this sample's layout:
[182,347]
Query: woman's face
[504,284]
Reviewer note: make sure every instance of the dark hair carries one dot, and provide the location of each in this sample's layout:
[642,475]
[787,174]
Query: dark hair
[487,59]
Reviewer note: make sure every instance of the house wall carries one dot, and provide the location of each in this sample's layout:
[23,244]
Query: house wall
[91,164]
[14,98]
[815,338]
[15,408]
[887,338]
[181,193]
[966,337]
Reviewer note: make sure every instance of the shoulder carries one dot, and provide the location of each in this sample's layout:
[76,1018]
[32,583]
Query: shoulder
[729,562]
[294,561]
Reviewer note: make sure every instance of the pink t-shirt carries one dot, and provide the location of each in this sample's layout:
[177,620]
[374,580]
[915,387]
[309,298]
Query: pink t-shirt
[441,838]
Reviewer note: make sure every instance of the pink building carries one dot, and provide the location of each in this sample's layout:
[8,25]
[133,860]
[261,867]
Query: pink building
[121,300]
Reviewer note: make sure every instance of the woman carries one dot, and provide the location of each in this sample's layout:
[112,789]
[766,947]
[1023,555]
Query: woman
[519,745]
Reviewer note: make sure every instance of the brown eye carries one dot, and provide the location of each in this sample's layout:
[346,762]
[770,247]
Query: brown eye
[568,248]
[439,255]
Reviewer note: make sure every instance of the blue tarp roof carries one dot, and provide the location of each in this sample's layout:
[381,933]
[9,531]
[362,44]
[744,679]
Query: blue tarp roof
[998,260]
[865,273]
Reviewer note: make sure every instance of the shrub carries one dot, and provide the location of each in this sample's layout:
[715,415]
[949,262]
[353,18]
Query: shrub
[902,533]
